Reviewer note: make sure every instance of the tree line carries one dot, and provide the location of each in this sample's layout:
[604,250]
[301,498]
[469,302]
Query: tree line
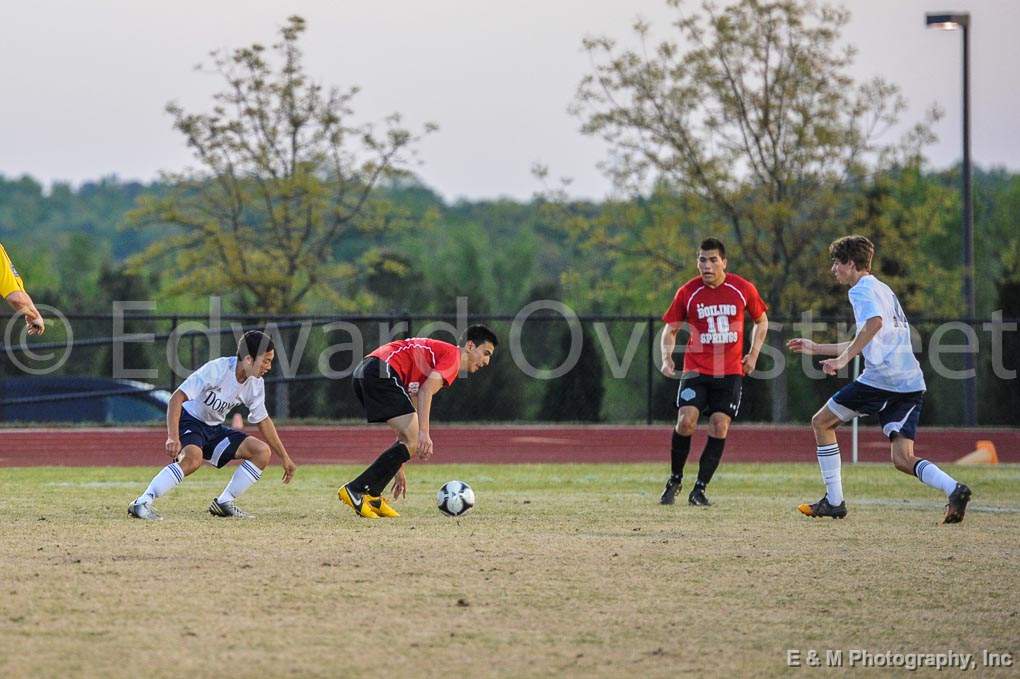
[743,122]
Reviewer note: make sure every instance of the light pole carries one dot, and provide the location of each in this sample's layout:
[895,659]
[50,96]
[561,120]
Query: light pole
[951,21]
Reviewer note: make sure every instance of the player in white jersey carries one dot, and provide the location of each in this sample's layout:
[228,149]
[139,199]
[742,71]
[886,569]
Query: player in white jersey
[196,434]
[891,386]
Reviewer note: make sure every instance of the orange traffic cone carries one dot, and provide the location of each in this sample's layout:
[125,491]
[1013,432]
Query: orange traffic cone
[984,454]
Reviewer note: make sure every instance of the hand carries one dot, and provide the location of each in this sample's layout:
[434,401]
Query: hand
[288,469]
[173,446]
[399,488]
[801,345]
[831,366]
[749,363]
[668,368]
[36,325]
[424,446]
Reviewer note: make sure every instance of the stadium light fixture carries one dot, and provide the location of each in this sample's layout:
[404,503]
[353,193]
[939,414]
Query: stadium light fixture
[951,21]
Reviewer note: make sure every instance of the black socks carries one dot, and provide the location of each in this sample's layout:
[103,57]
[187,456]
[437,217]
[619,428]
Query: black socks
[710,458]
[374,479]
[679,450]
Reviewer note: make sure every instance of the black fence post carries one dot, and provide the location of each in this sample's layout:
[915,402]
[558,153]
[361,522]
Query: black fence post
[651,364]
[173,376]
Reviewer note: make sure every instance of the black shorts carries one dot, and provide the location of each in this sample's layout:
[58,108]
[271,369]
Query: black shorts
[219,443]
[381,392]
[898,412]
[710,394]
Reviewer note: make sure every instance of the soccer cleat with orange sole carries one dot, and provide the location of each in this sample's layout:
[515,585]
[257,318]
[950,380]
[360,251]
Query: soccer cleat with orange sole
[823,508]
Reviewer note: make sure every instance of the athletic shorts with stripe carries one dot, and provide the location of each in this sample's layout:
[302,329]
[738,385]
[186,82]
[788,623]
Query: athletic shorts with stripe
[898,412]
[218,442]
[380,391]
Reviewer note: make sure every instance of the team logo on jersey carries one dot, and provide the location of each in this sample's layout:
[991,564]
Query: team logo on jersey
[413,387]
[718,318]
[219,405]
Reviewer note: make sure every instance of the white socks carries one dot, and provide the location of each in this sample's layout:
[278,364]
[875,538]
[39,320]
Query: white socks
[162,483]
[244,478]
[930,475]
[830,464]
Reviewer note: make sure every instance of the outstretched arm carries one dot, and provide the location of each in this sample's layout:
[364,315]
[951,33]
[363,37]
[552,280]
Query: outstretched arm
[871,327]
[802,345]
[268,431]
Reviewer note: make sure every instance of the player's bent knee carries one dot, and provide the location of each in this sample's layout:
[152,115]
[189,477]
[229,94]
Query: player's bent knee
[904,461]
[686,427]
[823,421]
[257,451]
[192,460]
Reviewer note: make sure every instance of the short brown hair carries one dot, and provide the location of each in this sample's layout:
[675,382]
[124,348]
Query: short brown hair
[856,249]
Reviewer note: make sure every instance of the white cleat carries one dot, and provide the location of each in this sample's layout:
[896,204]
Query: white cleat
[229,510]
[143,510]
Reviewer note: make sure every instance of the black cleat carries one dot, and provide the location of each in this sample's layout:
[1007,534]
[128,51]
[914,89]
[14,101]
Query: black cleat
[672,488]
[957,504]
[697,497]
[823,508]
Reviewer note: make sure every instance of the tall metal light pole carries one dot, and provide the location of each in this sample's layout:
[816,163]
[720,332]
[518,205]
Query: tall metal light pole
[951,21]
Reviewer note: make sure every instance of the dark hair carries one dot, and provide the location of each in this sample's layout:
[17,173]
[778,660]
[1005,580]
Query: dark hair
[254,343]
[713,244]
[856,249]
[479,334]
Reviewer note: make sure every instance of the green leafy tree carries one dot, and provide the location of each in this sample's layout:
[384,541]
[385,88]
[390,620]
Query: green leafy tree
[752,114]
[284,178]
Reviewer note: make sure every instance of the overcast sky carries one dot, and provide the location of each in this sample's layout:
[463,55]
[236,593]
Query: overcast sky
[85,81]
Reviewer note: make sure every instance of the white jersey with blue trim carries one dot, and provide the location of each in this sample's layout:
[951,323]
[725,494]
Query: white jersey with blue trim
[213,391]
[889,357]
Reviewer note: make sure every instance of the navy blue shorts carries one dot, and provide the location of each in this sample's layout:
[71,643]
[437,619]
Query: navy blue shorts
[897,412]
[218,442]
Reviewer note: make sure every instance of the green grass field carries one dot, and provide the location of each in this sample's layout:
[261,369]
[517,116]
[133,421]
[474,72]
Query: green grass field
[561,570]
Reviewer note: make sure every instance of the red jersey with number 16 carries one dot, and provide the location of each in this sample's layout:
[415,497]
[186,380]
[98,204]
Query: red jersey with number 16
[716,319]
[414,359]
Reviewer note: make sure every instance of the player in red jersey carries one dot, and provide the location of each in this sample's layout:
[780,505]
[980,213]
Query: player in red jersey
[713,307]
[395,383]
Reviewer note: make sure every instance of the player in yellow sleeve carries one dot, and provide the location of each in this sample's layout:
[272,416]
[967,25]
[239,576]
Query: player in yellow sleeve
[13,290]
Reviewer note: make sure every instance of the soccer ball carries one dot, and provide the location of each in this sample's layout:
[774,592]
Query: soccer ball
[455,498]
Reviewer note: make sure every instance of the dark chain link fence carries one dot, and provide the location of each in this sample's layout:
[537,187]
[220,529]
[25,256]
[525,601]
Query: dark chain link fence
[550,366]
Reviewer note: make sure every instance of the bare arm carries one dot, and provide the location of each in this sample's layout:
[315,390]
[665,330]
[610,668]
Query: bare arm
[426,391]
[758,333]
[802,345]
[269,433]
[871,327]
[21,302]
[667,343]
[173,423]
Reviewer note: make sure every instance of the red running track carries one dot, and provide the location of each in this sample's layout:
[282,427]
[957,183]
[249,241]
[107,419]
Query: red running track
[488,444]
